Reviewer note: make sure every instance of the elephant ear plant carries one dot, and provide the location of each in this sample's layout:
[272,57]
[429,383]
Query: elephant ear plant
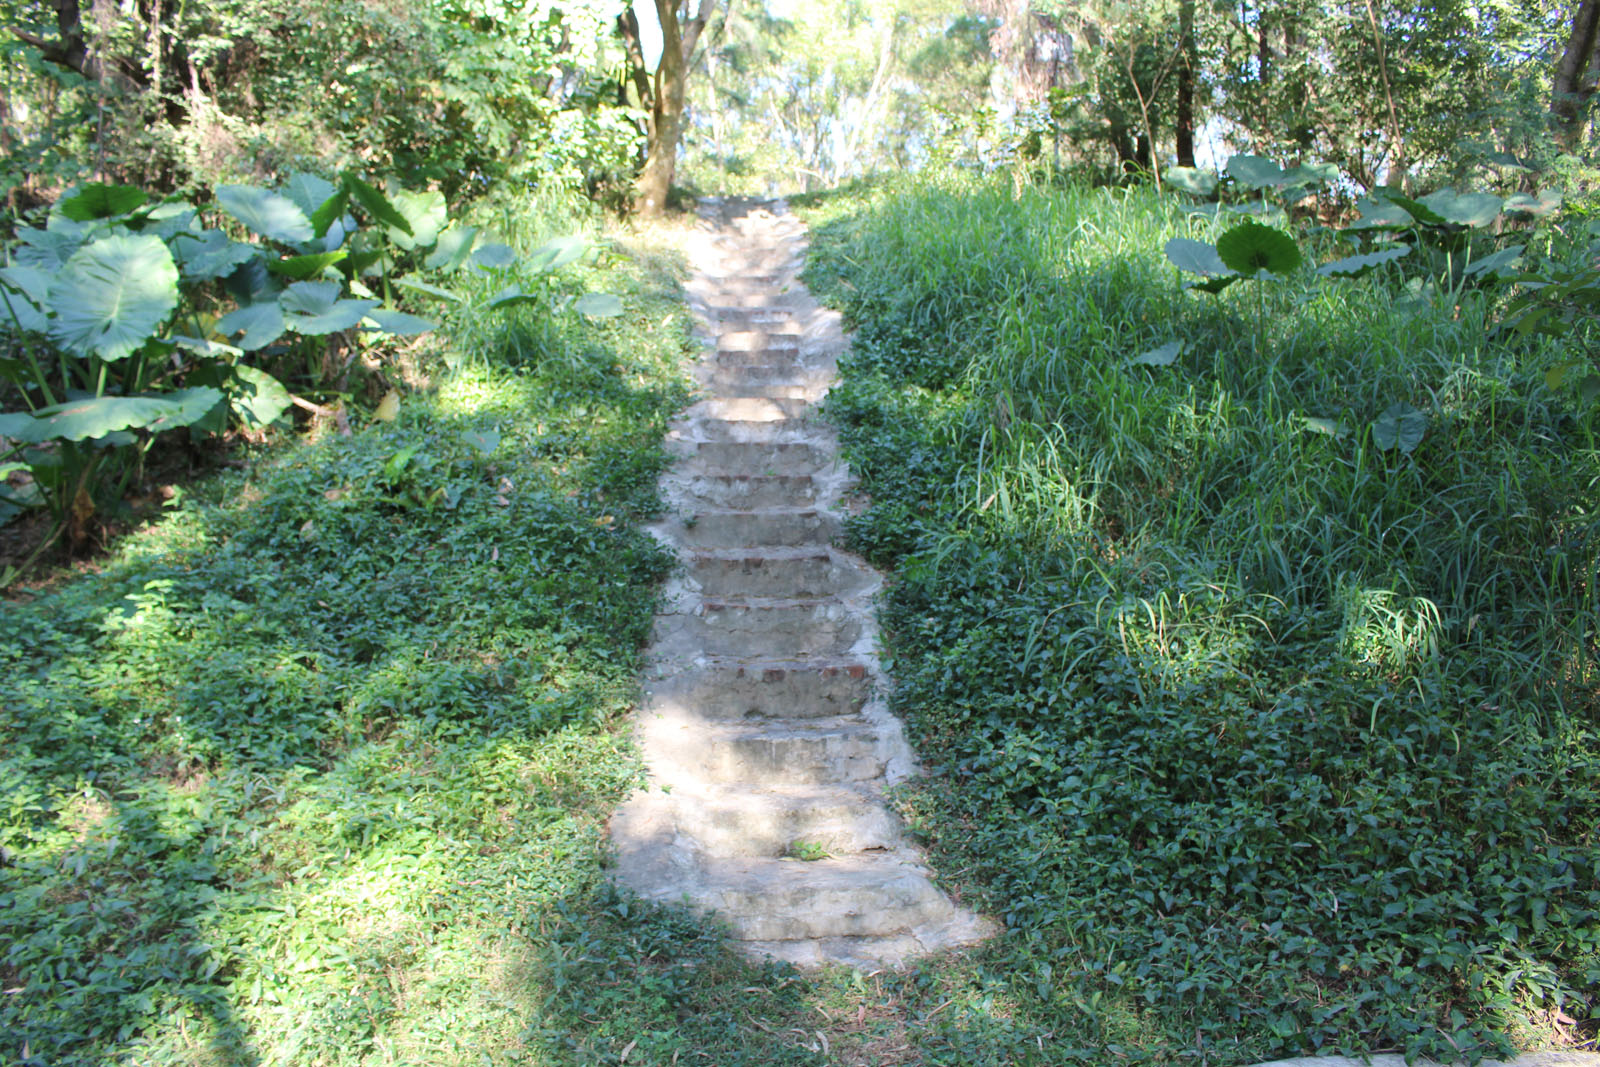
[125,317]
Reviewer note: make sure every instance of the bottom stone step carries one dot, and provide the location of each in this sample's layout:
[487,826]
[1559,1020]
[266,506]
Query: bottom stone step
[866,895]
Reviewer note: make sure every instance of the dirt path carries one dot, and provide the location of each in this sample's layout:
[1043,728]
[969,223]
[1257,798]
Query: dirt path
[764,727]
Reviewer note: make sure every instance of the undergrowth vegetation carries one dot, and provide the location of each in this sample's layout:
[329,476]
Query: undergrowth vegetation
[315,770]
[1264,739]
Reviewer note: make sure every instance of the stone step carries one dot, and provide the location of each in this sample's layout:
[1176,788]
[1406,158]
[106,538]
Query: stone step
[869,894]
[764,431]
[961,930]
[737,359]
[758,341]
[778,628]
[767,457]
[808,574]
[772,527]
[738,381]
[785,821]
[749,492]
[772,391]
[750,316]
[753,409]
[687,750]
[773,690]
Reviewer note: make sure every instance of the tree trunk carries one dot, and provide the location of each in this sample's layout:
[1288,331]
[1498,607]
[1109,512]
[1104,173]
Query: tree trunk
[1574,86]
[668,93]
[1184,122]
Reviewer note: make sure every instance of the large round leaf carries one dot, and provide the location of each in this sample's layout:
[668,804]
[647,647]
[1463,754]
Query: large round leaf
[97,416]
[262,324]
[398,323]
[1356,266]
[558,253]
[1191,180]
[309,192]
[1476,210]
[269,214]
[598,305]
[112,295]
[1196,257]
[425,212]
[452,248]
[101,201]
[1257,172]
[24,299]
[315,308]
[1401,426]
[210,254]
[376,204]
[1250,248]
[257,397]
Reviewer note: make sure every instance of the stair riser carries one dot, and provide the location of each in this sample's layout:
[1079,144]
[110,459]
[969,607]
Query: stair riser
[812,576]
[758,341]
[780,458]
[835,829]
[764,409]
[750,494]
[756,693]
[769,355]
[779,529]
[738,631]
[777,761]
[782,916]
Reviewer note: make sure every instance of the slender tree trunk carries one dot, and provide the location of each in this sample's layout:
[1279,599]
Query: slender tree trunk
[1184,122]
[1574,84]
[667,92]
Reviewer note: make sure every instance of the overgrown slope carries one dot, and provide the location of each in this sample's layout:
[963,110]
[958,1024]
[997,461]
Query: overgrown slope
[1264,741]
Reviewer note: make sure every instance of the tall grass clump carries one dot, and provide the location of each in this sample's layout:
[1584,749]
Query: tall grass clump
[1265,739]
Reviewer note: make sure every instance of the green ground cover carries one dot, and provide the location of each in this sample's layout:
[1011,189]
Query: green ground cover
[1264,741]
[315,770]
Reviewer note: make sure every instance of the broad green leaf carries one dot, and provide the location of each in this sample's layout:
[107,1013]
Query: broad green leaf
[189,406]
[100,201]
[1356,266]
[1164,356]
[1418,211]
[1492,264]
[1308,174]
[303,267]
[1263,212]
[46,249]
[452,248]
[257,397]
[1589,388]
[556,254]
[388,410]
[309,193]
[426,214]
[210,254]
[169,219]
[79,420]
[315,308]
[1329,427]
[598,305]
[1558,374]
[425,287]
[1380,215]
[112,295]
[1213,285]
[1533,207]
[251,282]
[330,222]
[1196,257]
[1401,426]
[25,299]
[269,214]
[485,441]
[1466,209]
[494,256]
[511,297]
[210,349]
[1250,248]
[1190,180]
[398,322]
[375,203]
[1257,172]
[261,323]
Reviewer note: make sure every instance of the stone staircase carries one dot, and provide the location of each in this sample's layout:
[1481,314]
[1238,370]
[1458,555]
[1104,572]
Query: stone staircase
[764,729]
